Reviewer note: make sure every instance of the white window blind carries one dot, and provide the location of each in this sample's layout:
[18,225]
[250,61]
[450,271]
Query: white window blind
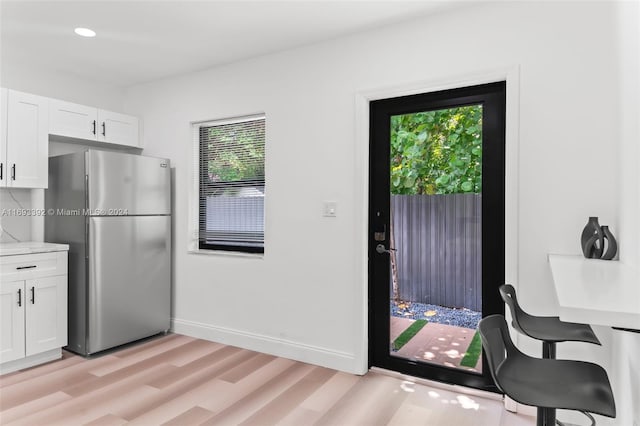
[232,186]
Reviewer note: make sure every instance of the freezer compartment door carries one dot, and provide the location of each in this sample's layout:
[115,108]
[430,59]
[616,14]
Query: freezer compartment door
[129,279]
[127,184]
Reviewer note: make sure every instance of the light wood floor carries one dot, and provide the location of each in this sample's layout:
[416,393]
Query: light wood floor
[179,380]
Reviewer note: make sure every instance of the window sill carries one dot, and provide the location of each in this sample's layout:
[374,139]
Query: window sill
[226,253]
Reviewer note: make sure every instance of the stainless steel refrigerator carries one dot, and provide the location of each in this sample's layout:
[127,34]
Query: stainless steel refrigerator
[114,211]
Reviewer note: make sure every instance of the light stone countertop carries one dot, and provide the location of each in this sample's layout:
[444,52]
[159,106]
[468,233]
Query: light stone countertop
[30,247]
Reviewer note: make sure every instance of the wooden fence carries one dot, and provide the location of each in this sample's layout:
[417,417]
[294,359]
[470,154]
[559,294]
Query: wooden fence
[438,242]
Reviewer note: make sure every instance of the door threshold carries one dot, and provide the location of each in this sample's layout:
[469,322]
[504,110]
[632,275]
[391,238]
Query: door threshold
[439,385]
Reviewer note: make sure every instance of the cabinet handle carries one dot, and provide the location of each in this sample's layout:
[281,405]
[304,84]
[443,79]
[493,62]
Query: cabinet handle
[27,267]
[19,297]
[33,295]
[1,168]
[94,127]
[104,129]
[13,172]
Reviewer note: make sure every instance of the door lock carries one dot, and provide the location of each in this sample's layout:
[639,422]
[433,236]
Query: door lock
[380,248]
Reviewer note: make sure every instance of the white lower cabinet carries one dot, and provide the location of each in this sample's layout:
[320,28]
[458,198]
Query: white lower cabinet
[33,309]
[12,343]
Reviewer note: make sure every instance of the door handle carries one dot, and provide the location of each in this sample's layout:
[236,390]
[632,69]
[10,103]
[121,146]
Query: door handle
[380,248]
[33,295]
[19,297]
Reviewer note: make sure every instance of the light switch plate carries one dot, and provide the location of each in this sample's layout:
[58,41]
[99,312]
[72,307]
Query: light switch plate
[329,209]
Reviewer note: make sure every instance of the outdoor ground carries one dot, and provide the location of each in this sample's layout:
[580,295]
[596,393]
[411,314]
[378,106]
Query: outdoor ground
[443,340]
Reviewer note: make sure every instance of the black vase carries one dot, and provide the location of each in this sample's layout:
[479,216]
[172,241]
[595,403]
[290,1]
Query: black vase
[610,242]
[592,239]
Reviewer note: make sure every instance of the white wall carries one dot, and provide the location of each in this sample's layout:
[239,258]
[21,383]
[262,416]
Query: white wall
[627,345]
[59,85]
[306,298]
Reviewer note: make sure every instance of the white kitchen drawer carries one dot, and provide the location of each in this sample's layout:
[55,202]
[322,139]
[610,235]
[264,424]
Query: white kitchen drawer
[30,266]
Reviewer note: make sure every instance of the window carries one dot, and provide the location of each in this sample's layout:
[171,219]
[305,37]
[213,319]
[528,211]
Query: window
[231,184]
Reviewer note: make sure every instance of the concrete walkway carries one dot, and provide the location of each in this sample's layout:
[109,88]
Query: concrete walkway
[435,343]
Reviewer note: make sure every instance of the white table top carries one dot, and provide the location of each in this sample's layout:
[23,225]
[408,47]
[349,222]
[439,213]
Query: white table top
[593,291]
[30,247]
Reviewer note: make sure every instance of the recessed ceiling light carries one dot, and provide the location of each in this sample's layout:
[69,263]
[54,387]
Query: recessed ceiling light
[85,32]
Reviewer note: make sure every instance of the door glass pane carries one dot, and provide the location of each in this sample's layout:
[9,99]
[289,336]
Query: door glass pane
[435,285]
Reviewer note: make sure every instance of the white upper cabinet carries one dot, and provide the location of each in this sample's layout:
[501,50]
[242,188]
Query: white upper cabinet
[72,120]
[27,120]
[25,140]
[3,135]
[82,122]
[118,128]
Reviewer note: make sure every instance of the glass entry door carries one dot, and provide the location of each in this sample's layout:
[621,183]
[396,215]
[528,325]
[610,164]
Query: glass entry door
[436,230]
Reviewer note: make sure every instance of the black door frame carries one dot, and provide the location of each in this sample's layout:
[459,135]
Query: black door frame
[493,98]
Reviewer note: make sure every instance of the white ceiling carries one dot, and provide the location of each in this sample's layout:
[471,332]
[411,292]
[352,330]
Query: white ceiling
[141,41]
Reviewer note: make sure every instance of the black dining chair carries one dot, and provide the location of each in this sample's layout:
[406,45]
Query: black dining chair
[548,384]
[550,330]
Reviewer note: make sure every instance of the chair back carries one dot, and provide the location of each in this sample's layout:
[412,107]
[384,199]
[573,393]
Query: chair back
[497,344]
[508,294]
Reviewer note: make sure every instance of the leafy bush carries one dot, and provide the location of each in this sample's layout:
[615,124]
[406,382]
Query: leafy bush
[437,152]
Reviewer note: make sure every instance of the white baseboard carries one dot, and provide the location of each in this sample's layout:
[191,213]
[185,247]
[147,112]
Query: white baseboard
[30,361]
[310,354]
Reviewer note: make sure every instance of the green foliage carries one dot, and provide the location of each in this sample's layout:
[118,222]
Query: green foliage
[437,152]
[235,153]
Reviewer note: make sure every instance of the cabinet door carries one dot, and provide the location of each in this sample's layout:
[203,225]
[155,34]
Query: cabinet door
[12,305]
[73,120]
[46,314]
[118,128]
[3,137]
[27,140]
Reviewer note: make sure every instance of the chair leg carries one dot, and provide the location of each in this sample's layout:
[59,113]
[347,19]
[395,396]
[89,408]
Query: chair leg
[540,417]
[546,417]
